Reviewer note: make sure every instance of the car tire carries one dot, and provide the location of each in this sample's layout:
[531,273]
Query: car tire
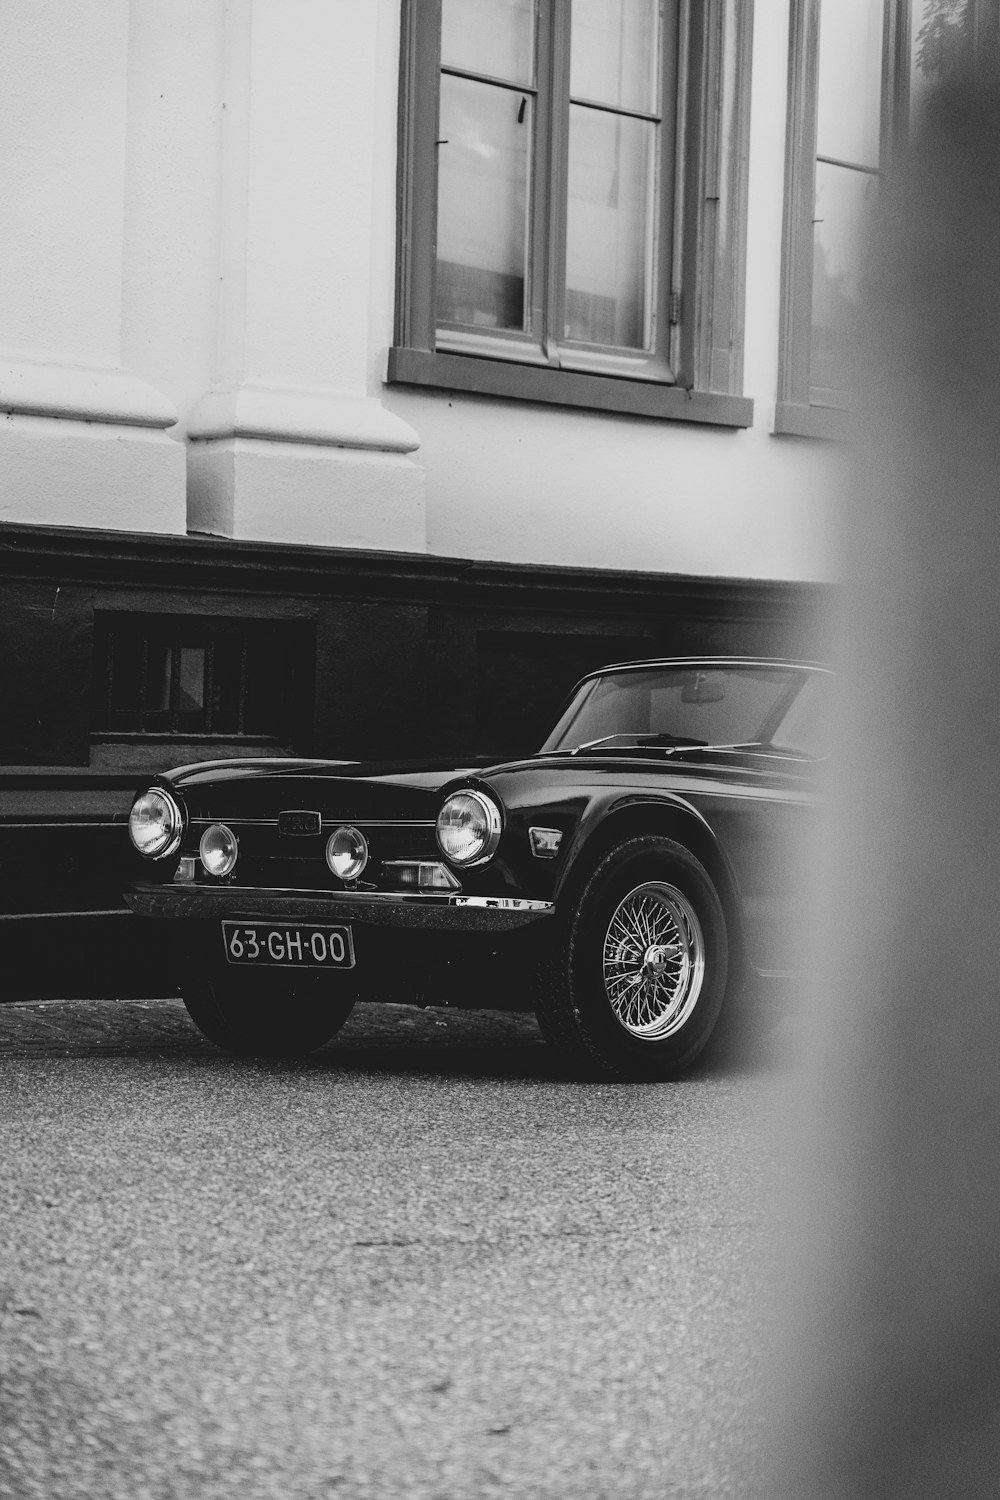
[634,983]
[255,1015]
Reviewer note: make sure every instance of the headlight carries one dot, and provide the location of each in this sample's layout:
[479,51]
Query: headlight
[155,824]
[218,849]
[468,828]
[347,852]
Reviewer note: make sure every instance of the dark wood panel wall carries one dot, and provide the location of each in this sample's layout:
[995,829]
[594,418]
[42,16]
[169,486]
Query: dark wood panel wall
[413,655]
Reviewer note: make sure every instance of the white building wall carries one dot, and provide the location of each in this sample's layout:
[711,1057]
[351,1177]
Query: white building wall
[83,437]
[528,483]
[201,205]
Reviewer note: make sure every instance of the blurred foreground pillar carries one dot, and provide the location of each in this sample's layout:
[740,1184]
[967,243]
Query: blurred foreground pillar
[891,1380]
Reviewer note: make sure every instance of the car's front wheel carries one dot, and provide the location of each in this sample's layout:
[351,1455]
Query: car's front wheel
[635,981]
[257,1015]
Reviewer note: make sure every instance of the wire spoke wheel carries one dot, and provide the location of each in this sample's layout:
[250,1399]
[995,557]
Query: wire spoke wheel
[653,961]
[635,980]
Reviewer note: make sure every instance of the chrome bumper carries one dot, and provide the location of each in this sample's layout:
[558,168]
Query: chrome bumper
[444,911]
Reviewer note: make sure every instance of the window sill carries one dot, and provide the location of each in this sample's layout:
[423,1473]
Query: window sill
[637,398]
[830,423]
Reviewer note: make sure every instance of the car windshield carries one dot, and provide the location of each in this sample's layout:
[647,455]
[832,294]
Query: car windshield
[781,708]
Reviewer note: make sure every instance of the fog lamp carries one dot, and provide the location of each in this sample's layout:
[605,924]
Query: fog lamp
[155,824]
[218,849]
[347,852]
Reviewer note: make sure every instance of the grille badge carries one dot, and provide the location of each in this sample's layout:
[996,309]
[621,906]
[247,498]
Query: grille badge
[299,820]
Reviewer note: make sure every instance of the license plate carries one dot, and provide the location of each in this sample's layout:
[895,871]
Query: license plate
[284,946]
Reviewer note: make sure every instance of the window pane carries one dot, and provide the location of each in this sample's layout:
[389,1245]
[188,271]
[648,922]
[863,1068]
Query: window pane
[850,80]
[266,685]
[221,677]
[226,666]
[609,230]
[722,707]
[489,36]
[940,42]
[126,652]
[482,204]
[161,664]
[191,697]
[844,200]
[614,52]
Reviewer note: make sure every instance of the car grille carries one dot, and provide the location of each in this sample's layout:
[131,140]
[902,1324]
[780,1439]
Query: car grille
[298,862]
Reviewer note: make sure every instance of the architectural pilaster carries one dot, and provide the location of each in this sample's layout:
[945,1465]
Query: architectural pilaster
[290,442]
[83,439]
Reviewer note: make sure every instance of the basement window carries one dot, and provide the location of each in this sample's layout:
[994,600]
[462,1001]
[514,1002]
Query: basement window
[180,677]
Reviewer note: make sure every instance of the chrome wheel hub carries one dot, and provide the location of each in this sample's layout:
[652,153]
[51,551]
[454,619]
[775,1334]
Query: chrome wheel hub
[654,961]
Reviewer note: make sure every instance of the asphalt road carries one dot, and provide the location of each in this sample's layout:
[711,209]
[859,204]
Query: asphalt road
[421,1263]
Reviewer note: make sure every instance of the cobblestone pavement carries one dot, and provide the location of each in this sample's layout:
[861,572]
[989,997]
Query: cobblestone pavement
[93,1028]
[422,1263]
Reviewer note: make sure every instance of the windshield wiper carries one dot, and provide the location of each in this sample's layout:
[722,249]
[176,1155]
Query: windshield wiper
[637,741]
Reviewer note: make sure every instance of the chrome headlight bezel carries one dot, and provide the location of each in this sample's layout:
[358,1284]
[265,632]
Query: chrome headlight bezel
[170,818]
[463,810]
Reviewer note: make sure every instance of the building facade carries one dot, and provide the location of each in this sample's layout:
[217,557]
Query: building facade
[369,369]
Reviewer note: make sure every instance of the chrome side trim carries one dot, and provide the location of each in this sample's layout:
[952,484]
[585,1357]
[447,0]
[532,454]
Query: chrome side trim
[502,903]
[324,823]
[55,916]
[56,823]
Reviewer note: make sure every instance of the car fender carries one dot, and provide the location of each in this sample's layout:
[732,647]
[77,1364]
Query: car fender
[608,821]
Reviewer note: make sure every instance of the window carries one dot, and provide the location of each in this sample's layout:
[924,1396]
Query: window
[728,707]
[572,198]
[883,55]
[188,678]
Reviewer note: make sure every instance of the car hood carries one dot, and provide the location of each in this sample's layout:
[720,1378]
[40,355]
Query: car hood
[256,788]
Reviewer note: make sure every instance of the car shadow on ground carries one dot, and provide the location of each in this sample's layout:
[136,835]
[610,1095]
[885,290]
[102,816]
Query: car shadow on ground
[378,1038]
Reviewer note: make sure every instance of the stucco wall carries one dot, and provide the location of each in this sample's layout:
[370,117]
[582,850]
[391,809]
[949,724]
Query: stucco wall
[199,292]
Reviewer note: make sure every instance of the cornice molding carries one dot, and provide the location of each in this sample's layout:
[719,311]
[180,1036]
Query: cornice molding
[145,560]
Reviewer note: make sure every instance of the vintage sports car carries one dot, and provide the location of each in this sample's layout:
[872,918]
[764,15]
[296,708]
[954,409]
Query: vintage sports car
[628,882]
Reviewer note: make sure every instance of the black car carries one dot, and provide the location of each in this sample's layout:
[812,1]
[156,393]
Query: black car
[628,882]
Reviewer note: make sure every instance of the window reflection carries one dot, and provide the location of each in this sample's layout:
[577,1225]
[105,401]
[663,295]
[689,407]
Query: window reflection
[844,201]
[850,69]
[609,223]
[940,44]
[855,63]
[613,52]
[848,160]
[489,36]
[190,695]
[482,203]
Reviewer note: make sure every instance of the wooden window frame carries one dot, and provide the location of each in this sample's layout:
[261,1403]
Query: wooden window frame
[700,371]
[804,410]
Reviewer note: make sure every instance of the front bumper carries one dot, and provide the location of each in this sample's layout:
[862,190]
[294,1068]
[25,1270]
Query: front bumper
[427,910]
